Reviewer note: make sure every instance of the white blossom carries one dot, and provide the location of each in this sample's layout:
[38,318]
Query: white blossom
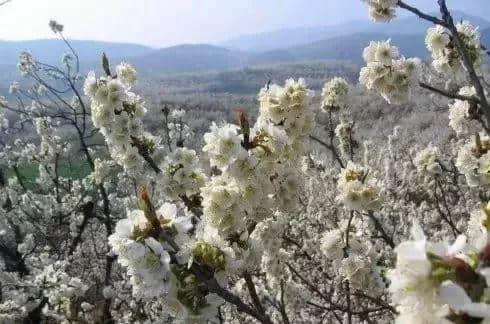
[426,161]
[334,94]
[382,10]
[388,73]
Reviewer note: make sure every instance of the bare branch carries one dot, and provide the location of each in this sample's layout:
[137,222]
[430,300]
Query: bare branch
[379,227]
[448,94]
[422,15]
[214,287]
[253,293]
[331,148]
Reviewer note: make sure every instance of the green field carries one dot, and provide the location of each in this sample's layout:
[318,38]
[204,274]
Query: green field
[28,174]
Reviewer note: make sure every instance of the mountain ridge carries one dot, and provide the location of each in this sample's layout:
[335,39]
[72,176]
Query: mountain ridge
[185,58]
[290,37]
[51,50]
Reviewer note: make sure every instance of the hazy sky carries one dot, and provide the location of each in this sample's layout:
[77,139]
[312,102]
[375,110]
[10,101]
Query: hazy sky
[168,22]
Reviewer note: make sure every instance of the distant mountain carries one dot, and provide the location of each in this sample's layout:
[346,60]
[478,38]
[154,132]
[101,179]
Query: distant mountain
[343,42]
[287,38]
[196,58]
[351,47]
[485,38]
[51,50]
[189,58]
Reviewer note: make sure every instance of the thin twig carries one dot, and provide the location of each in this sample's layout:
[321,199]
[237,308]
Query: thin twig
[331,148]
[379,227]
[463,51]
[421,14]
[214,287]
[253,293]
[448,94]
[282,306]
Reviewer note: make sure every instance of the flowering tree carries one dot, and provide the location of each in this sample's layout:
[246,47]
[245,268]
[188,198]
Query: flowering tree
[258,227]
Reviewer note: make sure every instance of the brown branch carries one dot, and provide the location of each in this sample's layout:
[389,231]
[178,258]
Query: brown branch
[88,212]
[448,94]
[298,245]
[145,154]
[379,227]
[420,14]
[344,310]
[214,287]
[331,148]
[446,218]
[475,80]
[282,306]
[253,293]
[377,301]
[448,22]
[193,203]
[307,283]
[106,210]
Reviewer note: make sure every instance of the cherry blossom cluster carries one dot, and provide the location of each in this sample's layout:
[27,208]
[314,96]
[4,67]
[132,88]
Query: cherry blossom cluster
[433,281]
[181,174]
[49,287]
[439,282]
[427,162]
[357,190]
[117,112]
[343,131]
[258,177]
[390,74]
[335,94]
[461,112]
[382,10]
[147,261]
[354,260]
[474,160]
[267,228]
[446,57]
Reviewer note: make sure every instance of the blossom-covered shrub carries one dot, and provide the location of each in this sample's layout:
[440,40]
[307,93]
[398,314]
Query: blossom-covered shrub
[288,219]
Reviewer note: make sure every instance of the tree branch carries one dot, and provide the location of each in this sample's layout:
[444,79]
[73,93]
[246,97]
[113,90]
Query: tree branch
[307,283]
[379,227]
[253,292]
[88,212]
[422,15]
[475,80]
[215,288]
[282,306]
[331,148]
[448,94]
[145,154]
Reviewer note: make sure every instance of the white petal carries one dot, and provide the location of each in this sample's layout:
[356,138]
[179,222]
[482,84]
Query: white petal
[477,310]
[454,296]
[458,245]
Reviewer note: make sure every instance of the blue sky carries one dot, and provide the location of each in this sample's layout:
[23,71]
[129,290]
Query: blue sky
[168,22]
